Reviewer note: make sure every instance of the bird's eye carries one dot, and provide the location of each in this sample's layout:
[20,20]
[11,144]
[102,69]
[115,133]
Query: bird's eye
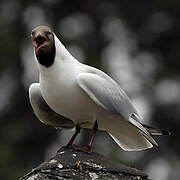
[49,33]
[32,33]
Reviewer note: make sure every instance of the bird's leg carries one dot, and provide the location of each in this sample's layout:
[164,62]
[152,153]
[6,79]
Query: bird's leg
[74,136]
[69,144]
[95,128]
[88,148]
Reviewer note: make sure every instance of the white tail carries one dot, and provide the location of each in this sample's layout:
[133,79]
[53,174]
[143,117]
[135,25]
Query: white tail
[127,136]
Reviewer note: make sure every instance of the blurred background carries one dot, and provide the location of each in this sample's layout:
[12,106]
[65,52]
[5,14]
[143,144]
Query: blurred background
[136,42]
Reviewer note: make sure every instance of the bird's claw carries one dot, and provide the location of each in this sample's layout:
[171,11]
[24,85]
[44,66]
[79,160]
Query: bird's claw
[63,148]
[86,149]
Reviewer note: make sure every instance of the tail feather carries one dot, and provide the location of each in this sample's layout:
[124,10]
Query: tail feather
[131,135]
[136,146]
[134,119]
[156,131]
[126,135]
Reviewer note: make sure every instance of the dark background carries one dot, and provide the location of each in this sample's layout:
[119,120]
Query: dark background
[136,42]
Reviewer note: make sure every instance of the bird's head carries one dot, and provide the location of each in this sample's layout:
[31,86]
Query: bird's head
[43,40]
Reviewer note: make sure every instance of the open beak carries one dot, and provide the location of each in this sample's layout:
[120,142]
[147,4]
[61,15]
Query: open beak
[38,42]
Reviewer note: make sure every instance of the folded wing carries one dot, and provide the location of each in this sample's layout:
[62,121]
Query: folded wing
[108,94]
[44,113]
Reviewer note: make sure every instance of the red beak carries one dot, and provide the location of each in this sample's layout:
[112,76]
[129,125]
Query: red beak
[39,41]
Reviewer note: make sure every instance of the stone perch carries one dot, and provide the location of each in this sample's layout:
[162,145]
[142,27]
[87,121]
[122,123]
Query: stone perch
[76,165]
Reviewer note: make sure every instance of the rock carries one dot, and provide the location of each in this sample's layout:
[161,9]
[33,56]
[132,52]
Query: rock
[76,165]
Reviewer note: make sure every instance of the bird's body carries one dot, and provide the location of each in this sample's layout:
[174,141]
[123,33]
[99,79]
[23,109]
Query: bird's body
[62,93]
[85,95]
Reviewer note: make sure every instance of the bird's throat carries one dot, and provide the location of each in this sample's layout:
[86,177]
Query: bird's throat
[46,56]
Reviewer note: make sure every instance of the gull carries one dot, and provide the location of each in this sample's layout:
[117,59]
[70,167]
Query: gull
[71,94]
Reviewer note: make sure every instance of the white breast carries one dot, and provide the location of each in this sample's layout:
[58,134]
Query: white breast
[62,93]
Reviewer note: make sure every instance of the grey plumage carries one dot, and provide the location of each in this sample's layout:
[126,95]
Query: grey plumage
[156,131]
[108,94]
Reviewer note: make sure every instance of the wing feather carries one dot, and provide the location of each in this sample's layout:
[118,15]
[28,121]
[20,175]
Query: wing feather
[44,113]
[108,94]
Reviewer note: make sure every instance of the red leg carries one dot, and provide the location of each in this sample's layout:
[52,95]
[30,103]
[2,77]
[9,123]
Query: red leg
[88,148]
[69,144]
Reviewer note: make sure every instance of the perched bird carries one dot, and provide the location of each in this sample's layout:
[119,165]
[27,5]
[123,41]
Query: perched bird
[86,96]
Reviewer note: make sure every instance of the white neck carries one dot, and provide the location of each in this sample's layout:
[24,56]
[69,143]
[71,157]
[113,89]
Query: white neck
[62,57]
[61,52]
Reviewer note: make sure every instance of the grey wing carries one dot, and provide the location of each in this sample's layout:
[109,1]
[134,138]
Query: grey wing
[156,131]
[44,113]
[108,94]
